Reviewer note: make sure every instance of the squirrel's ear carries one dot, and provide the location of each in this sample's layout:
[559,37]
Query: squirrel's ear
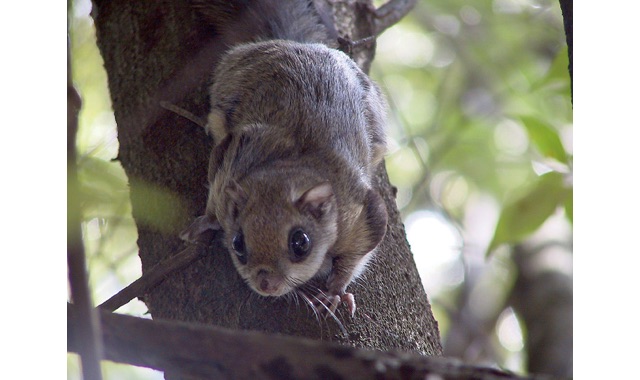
[316,200]
[237,198]
[236,193]
[197,230]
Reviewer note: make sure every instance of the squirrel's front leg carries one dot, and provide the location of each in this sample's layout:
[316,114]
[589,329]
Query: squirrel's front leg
[345,270]
[355,248]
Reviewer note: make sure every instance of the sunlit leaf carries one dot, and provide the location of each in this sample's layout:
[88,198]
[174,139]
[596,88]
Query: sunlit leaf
[545,138]
[558,72]
[157,208]
[568,206]
[104,190]
[523,216]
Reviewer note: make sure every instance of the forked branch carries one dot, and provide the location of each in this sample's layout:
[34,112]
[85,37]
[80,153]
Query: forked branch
[390,13]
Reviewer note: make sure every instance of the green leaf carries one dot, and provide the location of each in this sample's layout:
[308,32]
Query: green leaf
[523,216]
[545,138]
[568,206]
[105,192]
[157,208]
[103,186]
[558,72]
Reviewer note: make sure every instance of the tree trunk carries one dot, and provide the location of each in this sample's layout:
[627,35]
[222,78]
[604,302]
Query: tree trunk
[567,17]
[161,50]
[543,298]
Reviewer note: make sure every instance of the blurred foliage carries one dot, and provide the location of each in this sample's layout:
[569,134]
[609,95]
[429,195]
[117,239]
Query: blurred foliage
[108,229]
[525,215]
[480,128]
[477,92]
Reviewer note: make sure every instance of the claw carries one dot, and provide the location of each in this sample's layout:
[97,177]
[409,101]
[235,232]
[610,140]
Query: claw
[329,303]
[351,303]
[325,303]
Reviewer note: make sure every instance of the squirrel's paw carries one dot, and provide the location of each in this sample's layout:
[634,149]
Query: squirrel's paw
[324,302]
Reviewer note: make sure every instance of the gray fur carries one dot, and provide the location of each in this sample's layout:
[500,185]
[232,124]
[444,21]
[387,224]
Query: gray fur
[288,116]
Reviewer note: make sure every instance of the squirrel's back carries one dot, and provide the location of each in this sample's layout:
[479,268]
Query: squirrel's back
[290,96]
[254,20]
[308,93]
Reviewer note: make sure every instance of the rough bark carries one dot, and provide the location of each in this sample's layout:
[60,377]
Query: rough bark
[160,50]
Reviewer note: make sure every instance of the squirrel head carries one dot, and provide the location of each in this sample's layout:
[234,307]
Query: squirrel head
[278,229]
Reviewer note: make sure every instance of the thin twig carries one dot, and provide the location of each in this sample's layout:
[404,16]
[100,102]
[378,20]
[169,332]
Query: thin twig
[390,13]
[184,113]
[154,276]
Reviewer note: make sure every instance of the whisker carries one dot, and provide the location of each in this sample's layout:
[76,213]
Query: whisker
[293,282]
[332,314]
[294,296]
[246,300]
[252,296]
[313,309]
[308,302]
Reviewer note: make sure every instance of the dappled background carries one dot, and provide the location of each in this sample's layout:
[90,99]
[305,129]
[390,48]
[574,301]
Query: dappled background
[480,126]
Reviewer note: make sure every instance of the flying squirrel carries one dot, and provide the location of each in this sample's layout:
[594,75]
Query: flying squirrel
[298,134]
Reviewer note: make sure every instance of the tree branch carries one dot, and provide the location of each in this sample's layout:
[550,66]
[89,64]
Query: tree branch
[390,13]
[543,298]
[215,352]
[153,277]
[567,15]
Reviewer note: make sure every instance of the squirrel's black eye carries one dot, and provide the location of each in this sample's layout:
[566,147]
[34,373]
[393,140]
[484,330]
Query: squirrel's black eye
[299,244]
[238,244]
